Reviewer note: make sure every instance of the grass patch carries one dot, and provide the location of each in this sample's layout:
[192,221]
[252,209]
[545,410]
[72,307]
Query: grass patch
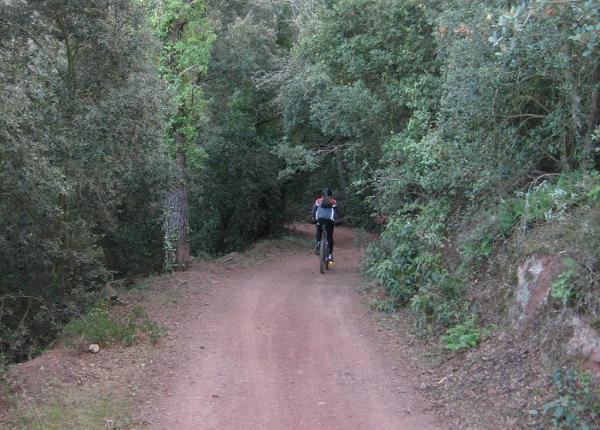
[67,408]
[100,327]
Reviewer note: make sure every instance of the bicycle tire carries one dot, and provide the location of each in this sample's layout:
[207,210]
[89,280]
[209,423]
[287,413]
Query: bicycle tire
[323,254]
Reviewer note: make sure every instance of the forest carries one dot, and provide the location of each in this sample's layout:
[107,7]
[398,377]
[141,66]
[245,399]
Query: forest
[137,134]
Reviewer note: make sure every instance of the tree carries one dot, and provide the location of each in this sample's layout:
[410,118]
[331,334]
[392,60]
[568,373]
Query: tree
[184,31]
[83,162]
[355,77]
[236,198]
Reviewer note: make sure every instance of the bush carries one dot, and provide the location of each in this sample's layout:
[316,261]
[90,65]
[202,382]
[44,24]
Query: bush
[439,305]
[562,287]
[83,167]
[385,306]
[546,201]
[577,406]
[393,267]
[463,336]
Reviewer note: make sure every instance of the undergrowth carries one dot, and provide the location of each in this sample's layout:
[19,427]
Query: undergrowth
[101,327]
[465,335]
[576,405]
[408,263]
[433,255]
[562,287]
[70,408]
[547,199]
[411,261]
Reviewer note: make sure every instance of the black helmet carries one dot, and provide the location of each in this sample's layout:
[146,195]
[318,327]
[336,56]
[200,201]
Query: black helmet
[327,191]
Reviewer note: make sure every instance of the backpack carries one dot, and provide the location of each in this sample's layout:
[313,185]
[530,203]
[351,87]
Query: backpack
[326,202]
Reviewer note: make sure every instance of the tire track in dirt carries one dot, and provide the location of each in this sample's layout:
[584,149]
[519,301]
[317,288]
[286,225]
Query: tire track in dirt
[283,347]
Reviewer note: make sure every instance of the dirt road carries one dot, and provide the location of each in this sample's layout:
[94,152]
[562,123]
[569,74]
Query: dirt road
[281,347]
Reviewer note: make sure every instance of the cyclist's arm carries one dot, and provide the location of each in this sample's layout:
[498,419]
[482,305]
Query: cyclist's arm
[336,213]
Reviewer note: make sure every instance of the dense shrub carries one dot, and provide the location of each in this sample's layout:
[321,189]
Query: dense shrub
[503,144]
[82,166]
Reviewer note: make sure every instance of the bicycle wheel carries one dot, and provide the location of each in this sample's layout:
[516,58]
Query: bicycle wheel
[323,254]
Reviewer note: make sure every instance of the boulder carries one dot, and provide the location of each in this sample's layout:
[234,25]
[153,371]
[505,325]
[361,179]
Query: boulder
[535,276]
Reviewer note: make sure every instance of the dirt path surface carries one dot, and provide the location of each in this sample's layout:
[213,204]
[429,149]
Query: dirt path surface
[281,347]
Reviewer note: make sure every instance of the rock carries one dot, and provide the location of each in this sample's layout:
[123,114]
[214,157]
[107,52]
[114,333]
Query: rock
[94,348]
[535,276]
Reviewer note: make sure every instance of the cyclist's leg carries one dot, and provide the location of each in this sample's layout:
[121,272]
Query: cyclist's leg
[329,231]
[331,238]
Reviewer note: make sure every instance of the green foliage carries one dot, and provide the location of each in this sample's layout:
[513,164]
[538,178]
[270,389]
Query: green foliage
[545,201]
[439,305]
[236,198]
[385,306]
[186,38]
[549,201]
[561,288]
[394,266]
[98,326]
[463,336]
[69,407]
[82,165]
[577,406]
[408,264]
[356,73]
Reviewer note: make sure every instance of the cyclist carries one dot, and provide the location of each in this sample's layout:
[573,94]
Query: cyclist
[325,215]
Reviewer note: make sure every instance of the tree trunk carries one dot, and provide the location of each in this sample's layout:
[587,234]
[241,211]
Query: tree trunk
[593,121]
[572,143]
[177,246]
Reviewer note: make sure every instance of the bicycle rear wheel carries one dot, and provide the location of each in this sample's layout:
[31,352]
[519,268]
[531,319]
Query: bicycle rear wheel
[323,254]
